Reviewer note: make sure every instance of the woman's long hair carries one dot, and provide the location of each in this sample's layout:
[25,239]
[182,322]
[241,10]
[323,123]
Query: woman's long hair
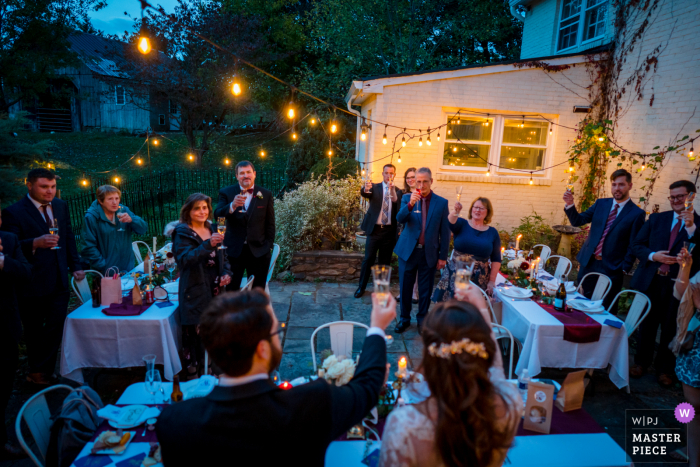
[190,202]
[466,432]
[406,187]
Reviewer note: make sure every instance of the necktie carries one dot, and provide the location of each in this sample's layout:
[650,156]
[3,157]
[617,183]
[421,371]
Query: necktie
[47,218]
[385,207]
[608,224]
[674,233]
[424,211]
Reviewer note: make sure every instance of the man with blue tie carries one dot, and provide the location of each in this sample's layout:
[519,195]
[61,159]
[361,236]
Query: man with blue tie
[422,245]
[657,247]
[614,224]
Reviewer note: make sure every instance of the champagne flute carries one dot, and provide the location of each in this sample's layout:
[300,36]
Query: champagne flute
[687,246]
[54,231]
[464,265]
[381,276]
[459,196]
[221,228]
[120,213]
[243,210]
[171,265]
[417,206]
[153,383]
[689,201]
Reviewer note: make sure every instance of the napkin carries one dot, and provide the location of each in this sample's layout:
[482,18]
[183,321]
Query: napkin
[205,385]
[553,284]
[117,414]
[585,304]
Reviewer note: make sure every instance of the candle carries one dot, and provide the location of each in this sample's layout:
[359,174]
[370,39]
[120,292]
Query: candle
[532,267]
[517,242]
[154,246]
[402,367]
[503,250]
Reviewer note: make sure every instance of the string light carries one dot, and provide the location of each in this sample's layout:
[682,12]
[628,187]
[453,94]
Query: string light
[144,45]
[550,129]
[363,169]
[330,152]
[190,157]
[155,142]
[403,141]
[420,140]
[313,121]
[334,127]
[116,179]
[690,153]
[384,137]
[84,182]
[294,133]
[227,161]
[454,148]
[427,141]
[262,152]
[399,159]
[601,138]
[139,161]
[438,135]
[290,111]
[531,181]
[48,165]
[236,89]
[644,165]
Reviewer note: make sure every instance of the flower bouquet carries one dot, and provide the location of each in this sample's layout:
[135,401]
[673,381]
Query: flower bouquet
[337,370]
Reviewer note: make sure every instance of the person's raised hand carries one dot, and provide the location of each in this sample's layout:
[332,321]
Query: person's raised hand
[225,280]
[684,258]
[688,217]
[473,296]
[664,258]
[125,218]
[368,186]
[216,239]
[382,316]
[45,241]
[415,197]
[458,207]
[79,275]
[568,197]
[238,201]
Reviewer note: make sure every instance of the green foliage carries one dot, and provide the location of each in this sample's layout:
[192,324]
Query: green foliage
[340,168]
[17,157]
[308,215]
[535,230]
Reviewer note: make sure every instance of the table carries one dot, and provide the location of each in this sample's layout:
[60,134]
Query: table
[542,336]
[92,339]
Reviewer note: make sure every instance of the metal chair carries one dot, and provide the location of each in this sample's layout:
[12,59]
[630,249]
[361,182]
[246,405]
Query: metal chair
[137,252]
[341,338]
[545,253]
[247,283]
[640,308]
[502,332]
[563,265]
[497,331]
[36,414]
[602,286]
[273,260]
[81,288]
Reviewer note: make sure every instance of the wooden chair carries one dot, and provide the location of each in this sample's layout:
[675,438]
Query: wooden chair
[602,286]
[341,338]
[81,288]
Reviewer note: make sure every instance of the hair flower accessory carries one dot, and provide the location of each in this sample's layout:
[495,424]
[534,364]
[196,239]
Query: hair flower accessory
[457,347]
[259,195]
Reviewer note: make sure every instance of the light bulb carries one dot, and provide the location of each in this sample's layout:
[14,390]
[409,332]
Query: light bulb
[420,141]
[290,112]
[643,167]
[262,153]
[399,159]
[488,174]
[227,162]
[454,149]
[236,89]
[363,135]
[334,128]
[601,138]
[363,172]
[428,142]
[313,121]
[403,141]
[438,136]
[571,169]
[139,161]
[190,157]
[449,132]
[486,123]
[690,154]
[116,179]
[294,135]
[531,182]
[84,182]
[144,45]
[550,130]
[384,139]
[330,152]
[155,142]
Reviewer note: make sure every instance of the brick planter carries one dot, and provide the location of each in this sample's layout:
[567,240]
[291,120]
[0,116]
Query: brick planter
[327,265]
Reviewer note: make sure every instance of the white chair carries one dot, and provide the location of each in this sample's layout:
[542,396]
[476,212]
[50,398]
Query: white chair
[545,253]
[247,283]
[602,286]
[81,288]
[137,252]
[341,338]
[639,309]
[496,330]
[502,332]
[563,265]
[273,260]
[36,414]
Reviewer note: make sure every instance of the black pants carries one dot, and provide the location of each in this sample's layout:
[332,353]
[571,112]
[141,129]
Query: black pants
[595,265]
[664,309]
[416,266]
[382,240]
[43,319]
[247,262]
[10,360]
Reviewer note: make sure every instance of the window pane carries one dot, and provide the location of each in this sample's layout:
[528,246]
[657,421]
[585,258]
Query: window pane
[119,95]
[467,155]
[595,22]
[527,132]
[470,129]
[513,157]
[570,8]
[568,30]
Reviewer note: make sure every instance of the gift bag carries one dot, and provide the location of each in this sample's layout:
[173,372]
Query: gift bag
[570,396]
[136,294]
[538,410]
[111,287]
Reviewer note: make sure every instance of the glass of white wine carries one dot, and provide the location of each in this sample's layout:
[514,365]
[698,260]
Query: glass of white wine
[53,230]
[464,265]
[120,213]
[459,196]
[221,228]
[381,275]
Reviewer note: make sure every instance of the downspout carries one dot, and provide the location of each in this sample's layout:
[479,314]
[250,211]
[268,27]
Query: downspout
[515,14]
[357,130]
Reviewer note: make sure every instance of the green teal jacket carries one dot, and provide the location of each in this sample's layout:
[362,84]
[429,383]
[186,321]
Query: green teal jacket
[103,245]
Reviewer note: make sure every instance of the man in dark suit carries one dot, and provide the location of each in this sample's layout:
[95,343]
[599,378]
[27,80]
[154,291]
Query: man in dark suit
[614,224]
[43,301]
[246,414]
[15,271]
[250,226]
[379,223]
[422,245]
[657,246]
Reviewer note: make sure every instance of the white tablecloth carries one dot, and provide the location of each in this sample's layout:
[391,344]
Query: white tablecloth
[92,339]
[542,336]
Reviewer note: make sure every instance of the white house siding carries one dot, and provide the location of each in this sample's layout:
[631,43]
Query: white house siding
[423,104]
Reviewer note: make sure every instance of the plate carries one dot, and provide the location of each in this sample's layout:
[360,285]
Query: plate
[135,412]
[516,292]
[110,451]
[585,305]
[127,283]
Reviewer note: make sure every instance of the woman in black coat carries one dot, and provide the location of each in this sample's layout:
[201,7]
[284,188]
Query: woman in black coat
[204,271]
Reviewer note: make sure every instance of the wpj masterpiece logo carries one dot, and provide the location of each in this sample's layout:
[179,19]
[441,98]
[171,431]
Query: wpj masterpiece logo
[652,434]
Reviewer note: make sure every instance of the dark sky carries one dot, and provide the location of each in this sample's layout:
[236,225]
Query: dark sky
[111,19]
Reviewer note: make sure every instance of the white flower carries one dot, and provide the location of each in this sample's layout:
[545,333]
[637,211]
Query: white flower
[515,263]
[348,372]
[259,195]
[330,361]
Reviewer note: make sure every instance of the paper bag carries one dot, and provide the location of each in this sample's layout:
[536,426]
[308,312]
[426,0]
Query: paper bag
[538,410]
[136,294]
[570,396]
[111,288]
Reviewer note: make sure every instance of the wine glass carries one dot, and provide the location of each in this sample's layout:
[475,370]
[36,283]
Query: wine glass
[464,265]
[221,228]
[120,213]
[54,231]
[417,211]
[687,246]
[381,276]
[170,264]
[689,201]
[153,383]
[459,196]
[569,185]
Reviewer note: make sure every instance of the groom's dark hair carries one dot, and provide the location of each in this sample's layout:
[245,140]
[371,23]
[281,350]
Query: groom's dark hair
[232,326]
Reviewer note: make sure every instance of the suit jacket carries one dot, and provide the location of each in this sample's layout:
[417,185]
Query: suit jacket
[655,236]
[376,197]
[50,267]
[256,225]
[617,254]
[16,271]
[260,424]
[437,230]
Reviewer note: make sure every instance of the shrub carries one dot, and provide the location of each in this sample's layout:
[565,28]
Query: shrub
[307,217]
[341,168]
[535,231]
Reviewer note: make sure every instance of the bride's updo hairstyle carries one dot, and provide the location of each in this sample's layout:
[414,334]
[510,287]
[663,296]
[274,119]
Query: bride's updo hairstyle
[457,354]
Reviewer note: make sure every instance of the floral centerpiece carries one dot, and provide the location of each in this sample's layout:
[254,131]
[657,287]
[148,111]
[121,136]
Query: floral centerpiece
[337,370]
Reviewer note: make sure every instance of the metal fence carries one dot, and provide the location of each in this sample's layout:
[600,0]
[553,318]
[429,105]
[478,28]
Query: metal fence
[157,198]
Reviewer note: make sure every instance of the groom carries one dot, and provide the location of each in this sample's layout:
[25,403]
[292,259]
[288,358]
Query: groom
[250,226]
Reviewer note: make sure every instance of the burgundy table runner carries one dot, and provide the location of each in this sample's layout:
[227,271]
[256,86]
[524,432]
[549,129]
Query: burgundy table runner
[578,326]
[125,308]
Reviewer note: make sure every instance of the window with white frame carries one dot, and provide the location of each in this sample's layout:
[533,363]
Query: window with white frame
[172,107]
[119,95]
[512,144]
[581,21]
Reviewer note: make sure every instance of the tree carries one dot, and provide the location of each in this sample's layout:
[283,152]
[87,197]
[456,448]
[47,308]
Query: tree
[189,72]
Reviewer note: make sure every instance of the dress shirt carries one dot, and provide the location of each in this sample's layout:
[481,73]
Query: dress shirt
[248,197]
[621,204]
[690,230]
[385,188]
[41,211]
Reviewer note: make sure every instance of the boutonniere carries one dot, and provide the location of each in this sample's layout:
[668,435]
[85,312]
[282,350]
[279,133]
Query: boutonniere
[258,195]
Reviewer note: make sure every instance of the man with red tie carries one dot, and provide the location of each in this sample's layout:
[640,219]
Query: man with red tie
[614,224]
[43,300]
[656,247]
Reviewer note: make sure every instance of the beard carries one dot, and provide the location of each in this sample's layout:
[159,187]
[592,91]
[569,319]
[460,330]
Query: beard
[275,359]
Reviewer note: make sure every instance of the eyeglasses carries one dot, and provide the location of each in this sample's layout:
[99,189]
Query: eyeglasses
[280,331]
[479,209]
[677,198]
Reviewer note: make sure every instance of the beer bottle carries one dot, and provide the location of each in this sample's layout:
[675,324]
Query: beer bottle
[560,296]
[96,292]
[176,396]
